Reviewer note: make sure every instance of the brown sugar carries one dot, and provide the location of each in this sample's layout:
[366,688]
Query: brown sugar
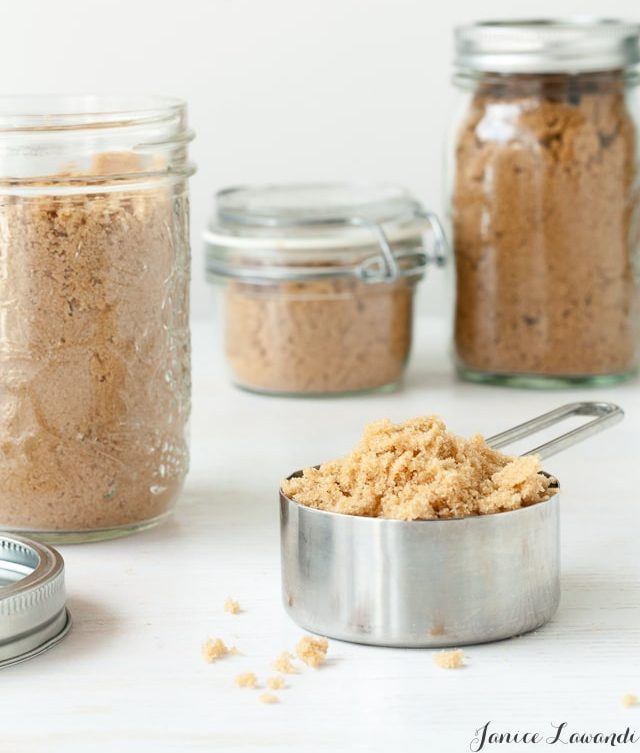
[246,680]
[95,358]
[312,651]
[214,649]
[418,470]
[284,665]
[276,682]
[449,659]
[317,337]
[269,698]
[231,606]
[543,205]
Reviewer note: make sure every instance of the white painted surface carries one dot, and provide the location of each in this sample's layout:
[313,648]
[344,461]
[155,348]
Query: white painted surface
[130,675]
[278,90]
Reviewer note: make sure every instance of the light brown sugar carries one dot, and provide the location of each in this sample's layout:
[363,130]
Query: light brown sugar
[418,470]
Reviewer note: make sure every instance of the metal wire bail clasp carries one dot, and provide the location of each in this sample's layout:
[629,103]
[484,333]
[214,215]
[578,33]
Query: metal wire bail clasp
[391,270]
[390,265]
[440,245]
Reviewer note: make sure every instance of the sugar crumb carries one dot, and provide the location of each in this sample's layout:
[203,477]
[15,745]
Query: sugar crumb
[629,700]
[312,651]
[246,680]
[232,606]
[283,664]
[214,648]
[269,698]
[449,659]
[276,682]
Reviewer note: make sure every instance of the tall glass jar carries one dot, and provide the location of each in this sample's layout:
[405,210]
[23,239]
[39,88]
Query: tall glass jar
[544,202]
[317,284]
[94,335]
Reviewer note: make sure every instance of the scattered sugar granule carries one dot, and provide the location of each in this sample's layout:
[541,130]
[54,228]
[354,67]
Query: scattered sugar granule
[283,664]
[232,606]
[312,651]
[629,700]
[213,649]
[276,682]
[449,659]
[246,680]
[269,698]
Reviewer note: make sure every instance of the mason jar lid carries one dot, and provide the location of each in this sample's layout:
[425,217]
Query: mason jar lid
[311,230]
[33,615]
[573,45]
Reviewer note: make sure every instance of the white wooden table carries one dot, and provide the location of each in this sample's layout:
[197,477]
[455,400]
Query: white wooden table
[130,676]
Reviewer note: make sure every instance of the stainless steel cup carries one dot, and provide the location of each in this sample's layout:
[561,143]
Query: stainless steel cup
[429,583]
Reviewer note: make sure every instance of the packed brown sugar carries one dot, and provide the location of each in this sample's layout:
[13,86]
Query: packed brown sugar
[318,337]
[418,470]
[543,216]
[94,358]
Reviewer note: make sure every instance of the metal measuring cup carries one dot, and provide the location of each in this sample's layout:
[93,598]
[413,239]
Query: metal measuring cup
[429,583]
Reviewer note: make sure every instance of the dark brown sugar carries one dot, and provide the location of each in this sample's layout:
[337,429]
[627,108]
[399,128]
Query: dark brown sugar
[545,227]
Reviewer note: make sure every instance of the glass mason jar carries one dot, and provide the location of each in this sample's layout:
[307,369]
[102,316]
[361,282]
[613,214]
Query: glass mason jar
[544,202]
[318,283]
[94,341]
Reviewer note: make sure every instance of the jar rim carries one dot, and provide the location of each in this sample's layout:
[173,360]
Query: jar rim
[61,112]
[548,45]
[74,143]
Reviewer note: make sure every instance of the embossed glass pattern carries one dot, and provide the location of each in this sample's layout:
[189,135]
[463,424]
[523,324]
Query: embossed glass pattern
[94,330]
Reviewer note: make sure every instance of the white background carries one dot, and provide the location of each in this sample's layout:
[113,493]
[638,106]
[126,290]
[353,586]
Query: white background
[278,90]
[289,90]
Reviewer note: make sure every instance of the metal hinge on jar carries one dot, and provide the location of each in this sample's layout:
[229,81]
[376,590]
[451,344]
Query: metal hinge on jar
[389,265]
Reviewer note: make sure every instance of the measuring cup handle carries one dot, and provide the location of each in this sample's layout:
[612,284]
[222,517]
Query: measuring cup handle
[606,415]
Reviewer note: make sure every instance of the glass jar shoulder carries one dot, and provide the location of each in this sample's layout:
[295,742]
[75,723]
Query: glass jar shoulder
[554,118]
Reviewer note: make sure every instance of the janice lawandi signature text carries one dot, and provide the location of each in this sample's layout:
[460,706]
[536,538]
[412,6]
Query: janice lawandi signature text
[486,737]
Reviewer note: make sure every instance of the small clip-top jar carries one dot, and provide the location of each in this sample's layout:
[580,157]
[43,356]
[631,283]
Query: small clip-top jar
[318,284]
[544,202]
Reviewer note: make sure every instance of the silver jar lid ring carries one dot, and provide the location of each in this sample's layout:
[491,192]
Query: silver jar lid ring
[33,613]
[572,45]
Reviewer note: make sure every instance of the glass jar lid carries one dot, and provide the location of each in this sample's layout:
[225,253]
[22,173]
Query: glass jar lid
[311,230]
[573,45]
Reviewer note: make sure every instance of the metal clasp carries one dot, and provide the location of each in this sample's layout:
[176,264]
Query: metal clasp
[441,247]
[392,270]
